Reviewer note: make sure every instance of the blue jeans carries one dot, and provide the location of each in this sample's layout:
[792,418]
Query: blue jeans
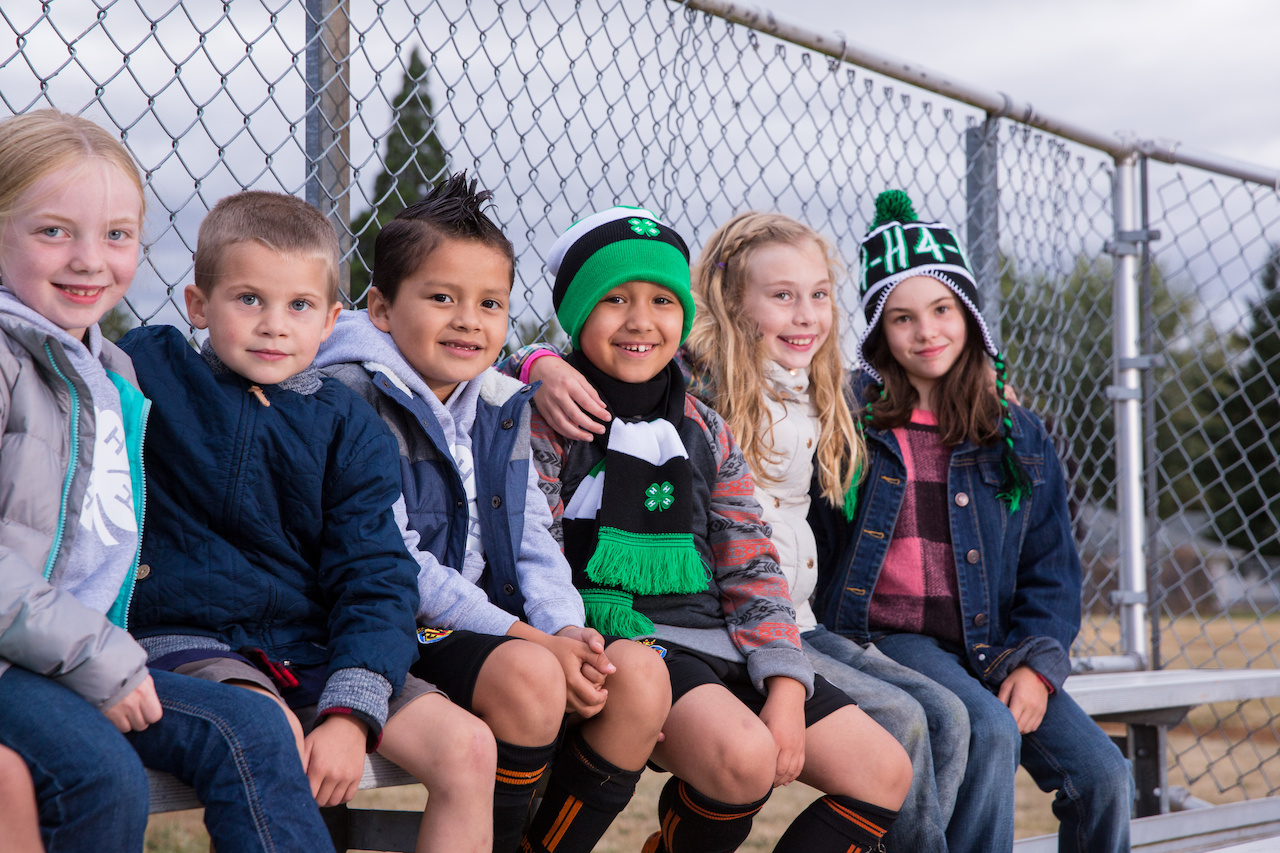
[928,720]
[233,746]
[1068,753]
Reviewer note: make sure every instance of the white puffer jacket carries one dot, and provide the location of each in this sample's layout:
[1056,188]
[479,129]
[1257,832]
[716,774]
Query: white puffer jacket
[783,491]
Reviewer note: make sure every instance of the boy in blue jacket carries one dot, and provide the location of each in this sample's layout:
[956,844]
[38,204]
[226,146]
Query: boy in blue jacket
[503,626]
[272,557]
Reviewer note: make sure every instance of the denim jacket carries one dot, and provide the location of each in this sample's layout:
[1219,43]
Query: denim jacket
[1019,574]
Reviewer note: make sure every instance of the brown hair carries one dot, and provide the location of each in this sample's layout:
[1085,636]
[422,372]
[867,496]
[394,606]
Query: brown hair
[453,210]
[282,223]
[964,400]
[43,141]
[729,353]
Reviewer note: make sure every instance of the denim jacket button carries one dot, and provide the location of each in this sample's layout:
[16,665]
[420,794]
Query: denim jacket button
[497,502]
[507,423]
[962,500]
[972,557]
[508,589]
[980,619]
[982,657]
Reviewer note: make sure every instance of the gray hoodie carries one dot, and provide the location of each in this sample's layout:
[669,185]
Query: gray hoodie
[450,597]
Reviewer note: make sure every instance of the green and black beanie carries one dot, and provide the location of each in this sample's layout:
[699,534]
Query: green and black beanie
[900,246]
[609,248]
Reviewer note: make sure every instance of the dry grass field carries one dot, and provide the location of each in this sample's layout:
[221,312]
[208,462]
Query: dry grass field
[1252,765]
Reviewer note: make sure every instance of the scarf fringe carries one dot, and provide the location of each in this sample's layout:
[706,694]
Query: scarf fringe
[646,563]
[610,612]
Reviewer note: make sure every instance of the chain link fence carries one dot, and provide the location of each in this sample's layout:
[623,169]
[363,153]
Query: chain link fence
[562,108]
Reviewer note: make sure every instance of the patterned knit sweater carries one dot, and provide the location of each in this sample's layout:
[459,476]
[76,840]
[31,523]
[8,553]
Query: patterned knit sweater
[746,613]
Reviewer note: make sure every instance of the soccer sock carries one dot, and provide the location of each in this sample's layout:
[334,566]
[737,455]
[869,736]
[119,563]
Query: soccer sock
[695,823]
[839,824]
[584,795]
[520,769]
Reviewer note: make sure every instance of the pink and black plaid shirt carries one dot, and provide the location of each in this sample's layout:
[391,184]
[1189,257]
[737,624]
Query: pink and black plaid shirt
[917,592]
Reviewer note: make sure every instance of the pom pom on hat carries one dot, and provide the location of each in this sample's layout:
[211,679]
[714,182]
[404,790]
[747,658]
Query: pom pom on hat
[609,248]
[894,206]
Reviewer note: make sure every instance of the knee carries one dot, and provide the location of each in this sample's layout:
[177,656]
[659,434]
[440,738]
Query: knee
[640,689]
[743,770]
[526,695]
[994,736]
[468,757]
[1105,779]
[896,772]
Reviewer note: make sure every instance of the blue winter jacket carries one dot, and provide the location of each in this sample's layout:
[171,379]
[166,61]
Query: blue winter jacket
[270,527]
[1019,574]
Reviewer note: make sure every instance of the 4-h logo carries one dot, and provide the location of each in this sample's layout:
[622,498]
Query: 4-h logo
[659,497]
[645,228]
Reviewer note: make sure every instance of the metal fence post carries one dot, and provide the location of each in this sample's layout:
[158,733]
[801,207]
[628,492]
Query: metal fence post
[982,223]
[328,121]
[1126,395]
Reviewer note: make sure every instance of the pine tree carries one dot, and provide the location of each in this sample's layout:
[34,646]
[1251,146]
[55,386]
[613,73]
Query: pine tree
[412,158]
[1245,465]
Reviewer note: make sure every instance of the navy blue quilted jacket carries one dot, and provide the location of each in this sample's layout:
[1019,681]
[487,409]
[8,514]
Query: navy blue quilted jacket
[270,527]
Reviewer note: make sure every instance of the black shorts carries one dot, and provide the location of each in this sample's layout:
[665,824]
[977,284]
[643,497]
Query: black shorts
[452,660]
[690,669]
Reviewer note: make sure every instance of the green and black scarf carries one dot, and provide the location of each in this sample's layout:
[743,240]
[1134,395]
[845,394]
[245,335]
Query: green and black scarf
[630,534]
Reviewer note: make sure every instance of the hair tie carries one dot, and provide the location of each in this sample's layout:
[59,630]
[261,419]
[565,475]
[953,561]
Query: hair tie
[720,264]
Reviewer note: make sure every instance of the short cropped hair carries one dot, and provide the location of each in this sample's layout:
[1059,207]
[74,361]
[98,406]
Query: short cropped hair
[453,210]
[282,223]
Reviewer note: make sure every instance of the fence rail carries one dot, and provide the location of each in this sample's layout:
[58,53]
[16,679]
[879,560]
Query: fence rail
[1154,359]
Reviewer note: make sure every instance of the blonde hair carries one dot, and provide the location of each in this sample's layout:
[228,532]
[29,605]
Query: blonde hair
[282,223]
[43,141]
[729,354]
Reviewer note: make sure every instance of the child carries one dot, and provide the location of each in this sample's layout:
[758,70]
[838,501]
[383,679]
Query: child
[274,558]
[764,351]
[960,562]
[664,536]
[71,420]
[490,571]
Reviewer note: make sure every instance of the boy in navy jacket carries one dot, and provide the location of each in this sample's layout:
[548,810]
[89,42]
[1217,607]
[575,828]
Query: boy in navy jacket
[503,626]
[272,556]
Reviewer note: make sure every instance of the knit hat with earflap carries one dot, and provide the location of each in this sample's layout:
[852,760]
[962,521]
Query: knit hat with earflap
[900,246]
[609,248]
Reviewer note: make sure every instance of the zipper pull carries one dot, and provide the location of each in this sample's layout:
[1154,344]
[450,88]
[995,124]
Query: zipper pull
[262,398]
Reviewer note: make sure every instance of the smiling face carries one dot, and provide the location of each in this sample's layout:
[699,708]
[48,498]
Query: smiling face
[70,250]
[449,317]
[268,312]
[788,296]
[634,331]
[925,329]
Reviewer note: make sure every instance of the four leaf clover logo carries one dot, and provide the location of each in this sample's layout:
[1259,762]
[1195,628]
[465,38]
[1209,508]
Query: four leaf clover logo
[659,497]
[644,227]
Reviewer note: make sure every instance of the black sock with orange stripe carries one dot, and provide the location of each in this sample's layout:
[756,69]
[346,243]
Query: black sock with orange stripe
[520,769]
[584,795]
[694,823]
[837,823]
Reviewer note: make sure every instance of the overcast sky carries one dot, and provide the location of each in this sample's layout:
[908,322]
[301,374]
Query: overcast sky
[1203,72]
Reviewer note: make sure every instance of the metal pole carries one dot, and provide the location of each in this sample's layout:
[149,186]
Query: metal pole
[328,121]
[1150,388]
[982,223]
[1127,396]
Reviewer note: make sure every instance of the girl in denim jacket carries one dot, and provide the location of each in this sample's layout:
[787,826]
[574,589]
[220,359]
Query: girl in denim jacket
[959,561]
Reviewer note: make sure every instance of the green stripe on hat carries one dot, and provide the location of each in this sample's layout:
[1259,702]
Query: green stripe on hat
[653,261]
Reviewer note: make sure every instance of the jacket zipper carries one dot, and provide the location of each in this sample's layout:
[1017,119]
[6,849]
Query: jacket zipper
[71,462]
[140,509]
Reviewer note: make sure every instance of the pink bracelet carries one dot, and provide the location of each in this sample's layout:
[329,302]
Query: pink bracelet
[532,357]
